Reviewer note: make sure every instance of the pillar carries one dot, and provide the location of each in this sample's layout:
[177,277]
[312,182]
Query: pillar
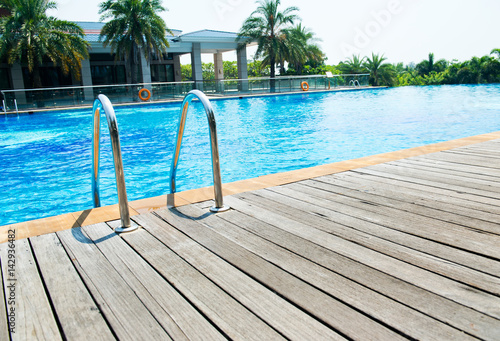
[146,71]
[88,93]
[242,62]
[177,68]
[218,66]
[196,66]
[18,83]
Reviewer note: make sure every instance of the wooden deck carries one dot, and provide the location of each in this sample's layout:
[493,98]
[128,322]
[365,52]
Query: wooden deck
[408,249]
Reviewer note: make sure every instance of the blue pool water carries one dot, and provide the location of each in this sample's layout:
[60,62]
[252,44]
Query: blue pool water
[46,157]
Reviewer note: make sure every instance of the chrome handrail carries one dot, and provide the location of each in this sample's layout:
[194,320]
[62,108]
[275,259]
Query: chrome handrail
[219,203]
[104,102]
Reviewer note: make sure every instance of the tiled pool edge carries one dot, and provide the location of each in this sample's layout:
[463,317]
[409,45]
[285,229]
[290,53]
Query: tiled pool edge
[109,213]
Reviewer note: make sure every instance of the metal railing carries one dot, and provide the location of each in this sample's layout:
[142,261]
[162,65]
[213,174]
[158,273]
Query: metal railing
[103,102]
[219,204]
[50,98]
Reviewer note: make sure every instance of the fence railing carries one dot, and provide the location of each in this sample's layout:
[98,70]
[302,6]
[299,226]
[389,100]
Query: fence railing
[50,98]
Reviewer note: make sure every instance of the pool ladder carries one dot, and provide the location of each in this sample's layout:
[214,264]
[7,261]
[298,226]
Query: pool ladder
[104,102]
[219,204]
[355,83]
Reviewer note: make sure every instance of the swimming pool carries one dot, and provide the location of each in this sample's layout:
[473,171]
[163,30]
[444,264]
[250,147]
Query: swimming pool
[46,157]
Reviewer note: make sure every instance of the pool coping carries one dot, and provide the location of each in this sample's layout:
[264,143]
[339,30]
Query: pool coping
[110,213]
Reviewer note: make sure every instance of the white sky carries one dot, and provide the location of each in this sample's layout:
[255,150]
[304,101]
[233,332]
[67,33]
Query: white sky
[404,30]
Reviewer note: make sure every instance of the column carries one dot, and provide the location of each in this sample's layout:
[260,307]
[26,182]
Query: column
[218,66]
[177,68]
[146,71]
[241,56]
[18,83]
[196,66]
[88,93]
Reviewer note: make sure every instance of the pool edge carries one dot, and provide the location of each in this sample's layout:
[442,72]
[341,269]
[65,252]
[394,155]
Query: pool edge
[110,213]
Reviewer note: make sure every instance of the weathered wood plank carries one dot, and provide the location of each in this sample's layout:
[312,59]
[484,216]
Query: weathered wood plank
[337,315]
[224,311]
[126,314]
[171,310]
[442,309]
[460,159]
[26,295]
[324,235]
[274,310]
[434,187]
[473,186]
[353,182]
[429,193]
[449,234]
[444,165]
[315,205]
[407,203]
[73,305]
[457,170]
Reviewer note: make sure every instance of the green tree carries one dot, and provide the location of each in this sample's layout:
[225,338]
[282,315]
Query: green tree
[497,52]
[380,73]
[301,48]
[135,27]
[29,36]
[353,65]
[266,26]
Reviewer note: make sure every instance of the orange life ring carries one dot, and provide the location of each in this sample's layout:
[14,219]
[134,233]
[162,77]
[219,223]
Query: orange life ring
[147,92]
[304,86]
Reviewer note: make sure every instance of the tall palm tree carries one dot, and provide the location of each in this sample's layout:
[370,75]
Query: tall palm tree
[380,72]
[353,65]
[135,27]
[266,25]
[29,36]
[302,47]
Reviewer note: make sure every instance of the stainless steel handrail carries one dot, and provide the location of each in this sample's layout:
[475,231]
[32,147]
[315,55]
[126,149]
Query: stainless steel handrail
[219,203]
[104,102]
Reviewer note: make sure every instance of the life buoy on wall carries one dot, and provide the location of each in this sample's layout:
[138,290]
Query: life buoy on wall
[148,94]
[304,86]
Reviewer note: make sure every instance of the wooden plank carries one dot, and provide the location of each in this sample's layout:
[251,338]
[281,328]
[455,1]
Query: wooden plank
[473,186]
[429,193]
[440,250]
[78,315]
[226,245]
[442,309]
[405,202]
[181,320]
[444,165]
[324,235]
[460,159]
[435,187]
[458,170]
[271,308]
[221,309]
[364,184]
[26,295]
[449,234]
[125,313]
[449,268]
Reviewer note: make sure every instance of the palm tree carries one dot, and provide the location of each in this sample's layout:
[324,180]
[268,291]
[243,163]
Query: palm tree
[302,47]
[380,72]
[29,36]
[353,65]
[266,25]
[135,26]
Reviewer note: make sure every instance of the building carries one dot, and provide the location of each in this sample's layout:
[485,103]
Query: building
[102,69]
